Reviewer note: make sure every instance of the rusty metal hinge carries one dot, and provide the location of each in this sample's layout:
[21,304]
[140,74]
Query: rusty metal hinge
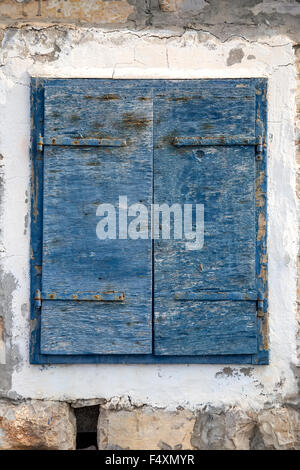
[40,143]
[260,305]
[259,148]
[38,298]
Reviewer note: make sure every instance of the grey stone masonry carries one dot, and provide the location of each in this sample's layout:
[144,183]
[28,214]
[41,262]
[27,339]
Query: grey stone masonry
[37,425]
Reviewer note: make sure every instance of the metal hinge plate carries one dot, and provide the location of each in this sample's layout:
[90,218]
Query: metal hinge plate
[259,148]
[38,298]
[260,305]
[40,143]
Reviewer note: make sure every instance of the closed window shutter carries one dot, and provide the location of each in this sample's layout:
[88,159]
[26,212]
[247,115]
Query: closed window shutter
[205,301]
[96,294]
[148,301]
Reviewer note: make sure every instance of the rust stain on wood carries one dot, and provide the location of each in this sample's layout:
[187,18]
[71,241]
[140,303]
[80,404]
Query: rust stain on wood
[131,120]
[261,226]
[264,329]
[263,275]
[38,269]
[109,97]
[260,194]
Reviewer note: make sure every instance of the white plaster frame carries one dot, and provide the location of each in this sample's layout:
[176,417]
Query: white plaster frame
[100,54]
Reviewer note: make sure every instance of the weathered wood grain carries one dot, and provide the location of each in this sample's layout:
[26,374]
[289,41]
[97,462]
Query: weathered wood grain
[188,328]
[215,295]
[80,327]
[222,178]
[76,264]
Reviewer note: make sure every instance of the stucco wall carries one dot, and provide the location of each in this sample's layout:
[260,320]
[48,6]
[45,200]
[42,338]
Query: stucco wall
[253,17]
[58,52]
[216,407]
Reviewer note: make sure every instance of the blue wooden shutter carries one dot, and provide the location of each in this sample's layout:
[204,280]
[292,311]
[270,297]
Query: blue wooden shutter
[96,294]
[205,301]
[162,141]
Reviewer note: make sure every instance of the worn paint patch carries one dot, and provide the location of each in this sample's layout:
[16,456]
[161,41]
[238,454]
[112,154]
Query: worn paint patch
[235,56]
[265,331]
[261,226]
[232,372]
[227,372]
[259,191]
[247,371]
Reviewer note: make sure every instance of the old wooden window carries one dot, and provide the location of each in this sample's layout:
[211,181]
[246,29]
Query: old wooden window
[155,142]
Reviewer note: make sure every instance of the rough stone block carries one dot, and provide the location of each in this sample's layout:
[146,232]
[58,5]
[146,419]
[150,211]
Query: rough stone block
[211,429]
[216,429]
[92,11]
[37,425]
[279,429]
[145,429]
[168,5]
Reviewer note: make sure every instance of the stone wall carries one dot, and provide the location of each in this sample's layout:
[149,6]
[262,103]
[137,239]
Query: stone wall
[39,424]
[254,18]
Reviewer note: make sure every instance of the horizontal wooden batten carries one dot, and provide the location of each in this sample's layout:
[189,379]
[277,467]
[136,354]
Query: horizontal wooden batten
[85,142]
[194,141]
[99,297]
[216,295]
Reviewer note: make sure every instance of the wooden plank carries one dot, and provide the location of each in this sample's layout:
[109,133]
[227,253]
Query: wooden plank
[140,359]
[107,142]
[93,114]
[88,296]
[223,181]
[94,328]
[105,89]
[194,141]
[37,128]
[205,116]
[216,296]
[188,328]
[261,216]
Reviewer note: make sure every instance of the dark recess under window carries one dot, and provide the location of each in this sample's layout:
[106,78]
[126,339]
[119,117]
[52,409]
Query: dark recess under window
[86,420]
